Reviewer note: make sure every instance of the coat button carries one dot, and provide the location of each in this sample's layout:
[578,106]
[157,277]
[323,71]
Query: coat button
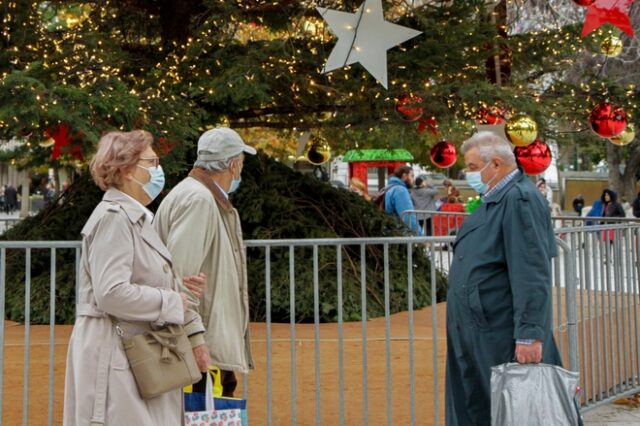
[166,267]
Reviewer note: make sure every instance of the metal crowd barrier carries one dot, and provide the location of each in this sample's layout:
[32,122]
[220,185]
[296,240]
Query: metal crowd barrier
[443,223]
[595,307]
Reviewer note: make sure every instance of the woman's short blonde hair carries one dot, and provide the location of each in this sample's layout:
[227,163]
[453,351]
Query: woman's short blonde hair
[117,153]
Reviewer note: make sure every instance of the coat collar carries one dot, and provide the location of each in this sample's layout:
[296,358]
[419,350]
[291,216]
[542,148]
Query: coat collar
[497,197]
[205,179]
[132,209]
[479,217]
[136,215]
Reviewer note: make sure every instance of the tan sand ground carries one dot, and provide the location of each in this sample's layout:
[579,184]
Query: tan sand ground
[281,376]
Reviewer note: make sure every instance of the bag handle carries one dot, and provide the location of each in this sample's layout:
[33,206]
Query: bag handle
[208,394]
[217,380]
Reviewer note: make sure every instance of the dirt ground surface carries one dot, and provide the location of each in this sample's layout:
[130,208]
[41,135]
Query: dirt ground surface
[284,405]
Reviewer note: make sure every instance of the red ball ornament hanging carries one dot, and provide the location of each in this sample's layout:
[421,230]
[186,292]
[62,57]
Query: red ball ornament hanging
[443,154]
[584,3]
[409,107]
[534,158]
[607,120]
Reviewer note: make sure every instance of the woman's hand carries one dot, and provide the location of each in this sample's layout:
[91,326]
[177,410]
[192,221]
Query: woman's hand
[185,301]
[195,284]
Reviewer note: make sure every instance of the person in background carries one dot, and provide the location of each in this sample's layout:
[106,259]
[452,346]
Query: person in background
[448,224]
[578,204]
[126,276]
[357,186]
[546,190]
[397,199]
[635,206]
[626,206]
[424,199]
[10,198]
[610,208]
[202,230]
[48,194]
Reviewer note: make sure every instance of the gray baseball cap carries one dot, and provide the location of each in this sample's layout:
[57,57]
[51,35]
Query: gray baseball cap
[221,143]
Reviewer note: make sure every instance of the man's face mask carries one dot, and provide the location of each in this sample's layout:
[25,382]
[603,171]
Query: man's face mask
[235,183]
[474,179]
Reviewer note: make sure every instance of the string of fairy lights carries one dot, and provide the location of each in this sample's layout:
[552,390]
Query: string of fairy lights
[71,44]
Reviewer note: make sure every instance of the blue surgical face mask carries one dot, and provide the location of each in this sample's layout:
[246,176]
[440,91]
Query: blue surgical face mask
[474,179]
[235,183]
[153,188]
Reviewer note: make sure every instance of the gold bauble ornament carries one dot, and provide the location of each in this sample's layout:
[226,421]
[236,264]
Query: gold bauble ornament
[47,143]
[611,46]
[521,130]
[319,152]
[626,137]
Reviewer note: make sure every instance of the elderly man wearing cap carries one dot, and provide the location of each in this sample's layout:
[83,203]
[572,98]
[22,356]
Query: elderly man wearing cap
[202,230]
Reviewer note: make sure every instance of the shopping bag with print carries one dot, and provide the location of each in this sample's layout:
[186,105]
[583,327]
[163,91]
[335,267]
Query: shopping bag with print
[203,409]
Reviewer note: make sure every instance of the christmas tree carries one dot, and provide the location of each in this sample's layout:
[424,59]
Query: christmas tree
[71,70]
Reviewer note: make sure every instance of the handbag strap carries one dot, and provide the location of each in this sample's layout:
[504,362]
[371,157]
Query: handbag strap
[164,340]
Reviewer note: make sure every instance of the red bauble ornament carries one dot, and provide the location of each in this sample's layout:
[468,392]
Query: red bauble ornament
[534,158]
[607,120]
[409,107]
[443,154]
[584,3]
[490,116]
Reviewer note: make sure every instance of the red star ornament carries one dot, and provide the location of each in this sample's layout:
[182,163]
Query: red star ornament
[615,12]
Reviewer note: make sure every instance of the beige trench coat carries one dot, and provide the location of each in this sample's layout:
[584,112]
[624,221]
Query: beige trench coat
[202,231]
[125,272]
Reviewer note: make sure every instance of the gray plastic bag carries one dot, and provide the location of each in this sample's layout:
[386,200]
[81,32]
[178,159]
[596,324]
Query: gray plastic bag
[533,395]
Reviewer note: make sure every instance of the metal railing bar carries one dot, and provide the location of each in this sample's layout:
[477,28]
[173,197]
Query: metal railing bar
[52,332]
[267,288]
[412,382]
[387,332]
[292,328]
[316,331]
[341,412]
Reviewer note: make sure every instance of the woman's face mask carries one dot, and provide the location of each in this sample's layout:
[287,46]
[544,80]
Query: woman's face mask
[154,187]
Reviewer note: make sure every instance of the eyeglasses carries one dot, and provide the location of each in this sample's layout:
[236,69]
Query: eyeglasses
[153,160]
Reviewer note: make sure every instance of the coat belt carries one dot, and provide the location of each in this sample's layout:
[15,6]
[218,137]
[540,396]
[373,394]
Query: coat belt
[102,378]
[89,310]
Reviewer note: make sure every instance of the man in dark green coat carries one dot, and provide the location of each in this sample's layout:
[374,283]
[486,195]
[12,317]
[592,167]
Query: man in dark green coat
[499,296]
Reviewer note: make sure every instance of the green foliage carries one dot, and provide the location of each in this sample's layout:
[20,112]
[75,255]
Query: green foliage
[274,203]
[61,221]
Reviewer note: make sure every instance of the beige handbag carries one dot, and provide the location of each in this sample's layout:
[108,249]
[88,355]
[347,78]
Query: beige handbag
[161,360]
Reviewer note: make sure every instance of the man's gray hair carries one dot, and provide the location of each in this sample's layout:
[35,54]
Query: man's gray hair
[490,145]
[215,165]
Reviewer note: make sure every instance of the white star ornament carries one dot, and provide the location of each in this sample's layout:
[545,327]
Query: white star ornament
[366,41]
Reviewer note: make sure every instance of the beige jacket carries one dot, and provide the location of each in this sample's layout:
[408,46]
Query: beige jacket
[203,233]
[125,271]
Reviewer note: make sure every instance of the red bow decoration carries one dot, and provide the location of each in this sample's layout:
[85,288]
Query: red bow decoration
[62,138]
[165,145]
[615,12]
[428,123]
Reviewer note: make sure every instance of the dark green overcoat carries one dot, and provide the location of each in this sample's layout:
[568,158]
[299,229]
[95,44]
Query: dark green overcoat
[499,291]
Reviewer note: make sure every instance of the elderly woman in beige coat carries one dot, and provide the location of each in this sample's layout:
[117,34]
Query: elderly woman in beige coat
[126,273]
